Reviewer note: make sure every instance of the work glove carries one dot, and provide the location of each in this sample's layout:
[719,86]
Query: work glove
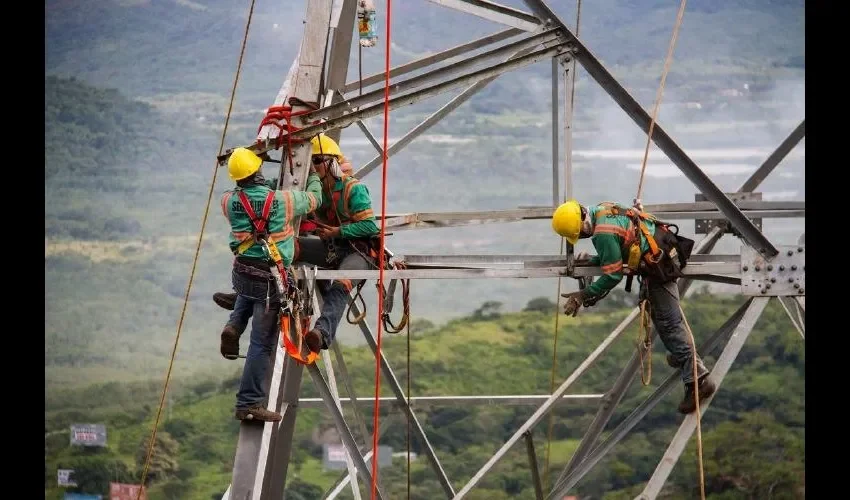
[574,302]
[582,256]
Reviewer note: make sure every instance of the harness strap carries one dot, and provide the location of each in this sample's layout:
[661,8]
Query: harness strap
[638,218]
[258,223]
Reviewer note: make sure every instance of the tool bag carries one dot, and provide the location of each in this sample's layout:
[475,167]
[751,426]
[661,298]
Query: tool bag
[668,251]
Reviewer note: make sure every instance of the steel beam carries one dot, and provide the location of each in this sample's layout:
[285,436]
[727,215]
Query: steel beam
[547,406]
[664,142]
[566,482]
[434,58]
[532,462]
[349,460]
[718,372]
[556,188]
[340,53]
[342,427]
[341,483]
[692,270]
[430,121]
[433,78]
[794,314]
[402,400]
[429,401]
[777,156]
[493,12]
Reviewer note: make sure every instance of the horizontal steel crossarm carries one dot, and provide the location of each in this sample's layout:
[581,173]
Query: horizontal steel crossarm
[671,211]
[621,96]
[426,61]
[422,401]
[581,469]
[693,270]
[432,77]
[493,12]
[718,373]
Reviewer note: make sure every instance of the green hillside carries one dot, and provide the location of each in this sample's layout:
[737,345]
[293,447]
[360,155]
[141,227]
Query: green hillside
[753,435]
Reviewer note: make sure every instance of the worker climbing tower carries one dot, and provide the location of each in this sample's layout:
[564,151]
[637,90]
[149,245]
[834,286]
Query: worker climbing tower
[315,98]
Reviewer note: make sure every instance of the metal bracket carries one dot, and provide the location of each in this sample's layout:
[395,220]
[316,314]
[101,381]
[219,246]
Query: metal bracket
[704,226]
[784,275]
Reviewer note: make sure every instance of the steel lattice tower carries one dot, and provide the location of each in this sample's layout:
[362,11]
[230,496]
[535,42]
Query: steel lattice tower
[762,270]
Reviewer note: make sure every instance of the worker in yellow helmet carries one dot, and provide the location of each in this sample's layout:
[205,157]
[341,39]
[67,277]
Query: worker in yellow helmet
[341,234]
[258,213]
[628,242]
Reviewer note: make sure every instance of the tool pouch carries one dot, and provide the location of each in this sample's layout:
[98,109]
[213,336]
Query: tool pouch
[675,250]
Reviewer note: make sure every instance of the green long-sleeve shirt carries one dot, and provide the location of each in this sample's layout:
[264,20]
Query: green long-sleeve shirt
[279,226]
[612,236]
[347,204]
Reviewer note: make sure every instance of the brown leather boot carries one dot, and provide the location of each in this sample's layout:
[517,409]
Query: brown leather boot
[257,413]
[314,340]
[706,390]
[225,300]
[229,342]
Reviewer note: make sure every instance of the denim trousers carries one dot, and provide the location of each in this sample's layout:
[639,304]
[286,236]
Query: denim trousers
[667,319]
[335,294]
[251,304]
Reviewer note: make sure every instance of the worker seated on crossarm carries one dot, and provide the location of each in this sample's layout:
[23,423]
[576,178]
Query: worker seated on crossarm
[345,237]
[629,241]
[251,203]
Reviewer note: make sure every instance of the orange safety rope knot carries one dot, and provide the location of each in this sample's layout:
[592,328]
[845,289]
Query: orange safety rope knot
[283,112]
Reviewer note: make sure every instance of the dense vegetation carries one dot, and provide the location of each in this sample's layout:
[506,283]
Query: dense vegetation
[753,434]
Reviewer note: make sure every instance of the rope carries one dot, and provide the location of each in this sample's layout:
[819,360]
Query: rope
[667,62]
[408,413]
[696,399]
[645,342]
[195,260]
[551,425]
[381,254]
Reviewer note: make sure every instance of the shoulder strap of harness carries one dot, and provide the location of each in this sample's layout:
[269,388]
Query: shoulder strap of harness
[638,217]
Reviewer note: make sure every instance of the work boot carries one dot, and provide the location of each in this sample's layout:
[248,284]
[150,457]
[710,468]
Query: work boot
[225,300]
[706,390]
[314,340]
[257,413]
[229,342]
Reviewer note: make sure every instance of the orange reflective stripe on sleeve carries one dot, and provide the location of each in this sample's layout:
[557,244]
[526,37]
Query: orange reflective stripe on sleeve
[225,201]
[610,229]
[346,194]
[362,215]
[612,268]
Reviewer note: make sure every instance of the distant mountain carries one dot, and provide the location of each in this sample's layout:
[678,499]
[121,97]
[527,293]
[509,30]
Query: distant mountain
[148,47]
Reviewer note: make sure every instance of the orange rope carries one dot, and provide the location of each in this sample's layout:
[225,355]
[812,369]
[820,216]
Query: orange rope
[381,255]
[195,261]
[659,94]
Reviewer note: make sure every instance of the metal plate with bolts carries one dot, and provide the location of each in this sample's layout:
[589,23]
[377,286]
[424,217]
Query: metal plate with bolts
[704,226]
[785,274]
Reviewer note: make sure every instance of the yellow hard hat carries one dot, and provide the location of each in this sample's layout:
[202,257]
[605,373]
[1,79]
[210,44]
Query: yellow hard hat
[242,163]
[324,145]
[566,221]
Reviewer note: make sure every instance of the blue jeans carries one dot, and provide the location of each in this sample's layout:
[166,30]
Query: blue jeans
[313,251]
[251,302]
[668,322]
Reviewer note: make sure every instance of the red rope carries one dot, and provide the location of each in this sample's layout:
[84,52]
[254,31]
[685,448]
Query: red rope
[284,112]
[381,256]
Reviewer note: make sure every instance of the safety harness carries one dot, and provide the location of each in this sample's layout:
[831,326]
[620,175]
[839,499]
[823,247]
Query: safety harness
[290,296]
